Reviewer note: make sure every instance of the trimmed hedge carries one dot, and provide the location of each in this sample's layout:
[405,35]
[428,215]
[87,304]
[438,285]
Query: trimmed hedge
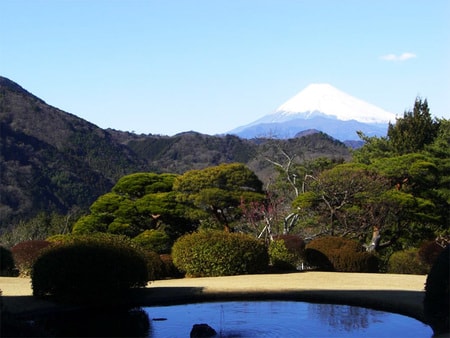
[429,252]
[154,240]
[331,253]
[169,269]
[25,254]
[286,252]
[407,262]
[218,253]
[89,269]
[154,263]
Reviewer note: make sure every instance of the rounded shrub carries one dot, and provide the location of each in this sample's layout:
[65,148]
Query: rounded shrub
[280,257]
[437,297]
[25,253]
[6,262]
[169,268]
[219,253]
[154,240]
[429,252]
[286,252]
[407,262]
[89,269]
[154,263]
[331,253]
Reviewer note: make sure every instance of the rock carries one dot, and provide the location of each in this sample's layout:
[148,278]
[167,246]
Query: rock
[202,331]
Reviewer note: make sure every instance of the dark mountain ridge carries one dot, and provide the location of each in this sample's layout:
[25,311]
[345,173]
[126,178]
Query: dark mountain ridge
[52,160]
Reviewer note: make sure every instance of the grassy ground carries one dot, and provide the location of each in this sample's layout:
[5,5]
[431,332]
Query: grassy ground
[396,293]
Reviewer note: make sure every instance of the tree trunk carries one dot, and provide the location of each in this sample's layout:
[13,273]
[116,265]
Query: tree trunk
[375,242]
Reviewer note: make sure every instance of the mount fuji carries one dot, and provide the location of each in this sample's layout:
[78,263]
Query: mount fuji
[324,108]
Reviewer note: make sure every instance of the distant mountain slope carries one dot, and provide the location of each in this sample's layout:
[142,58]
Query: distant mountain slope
[192,150]
[321,107]
[53,161]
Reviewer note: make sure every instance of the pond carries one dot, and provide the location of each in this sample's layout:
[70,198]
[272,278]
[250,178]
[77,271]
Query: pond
[282,319]
[234,319]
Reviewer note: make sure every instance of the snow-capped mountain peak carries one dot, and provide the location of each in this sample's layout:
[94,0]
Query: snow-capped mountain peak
[321,107]
[324,99]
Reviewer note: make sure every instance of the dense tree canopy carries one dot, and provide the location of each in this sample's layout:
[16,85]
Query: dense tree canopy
[174,204]
[138,202]
[347,200]
[218,191]
[415,158]
[414,131]
[396,188]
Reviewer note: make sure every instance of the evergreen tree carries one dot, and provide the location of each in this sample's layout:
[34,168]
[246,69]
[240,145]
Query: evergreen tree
[414,131]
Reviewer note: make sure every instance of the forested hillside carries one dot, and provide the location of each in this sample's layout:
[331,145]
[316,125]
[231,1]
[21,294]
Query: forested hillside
[53,161]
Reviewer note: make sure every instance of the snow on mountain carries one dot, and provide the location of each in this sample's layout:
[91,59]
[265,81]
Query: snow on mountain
[321,107]
[324,99]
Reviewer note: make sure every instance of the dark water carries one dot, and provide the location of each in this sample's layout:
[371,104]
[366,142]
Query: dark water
[282,319]
[229,319]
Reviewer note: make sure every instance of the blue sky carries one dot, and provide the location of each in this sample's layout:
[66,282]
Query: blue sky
[167,66]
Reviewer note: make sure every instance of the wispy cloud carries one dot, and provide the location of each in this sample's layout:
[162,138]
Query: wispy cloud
[401,57]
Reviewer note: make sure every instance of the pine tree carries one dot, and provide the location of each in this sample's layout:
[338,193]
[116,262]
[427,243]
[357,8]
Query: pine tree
[415,130]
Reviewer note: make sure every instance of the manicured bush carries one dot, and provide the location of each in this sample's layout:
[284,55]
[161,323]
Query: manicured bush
[25,254]
[437,297]
[169,269]
[286,252]
[350,261]
[89,269]
[331,253]
[280,257]
[6,262]
[407,262]
[154,240]
[294,243]
[218,253]
[429,252]
[154,263]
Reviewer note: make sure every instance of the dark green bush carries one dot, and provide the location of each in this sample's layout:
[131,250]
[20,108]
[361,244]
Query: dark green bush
[429,252]
[154,263]
[316,259]
[218,253]
[407,262]
[437,297]
[6,262]
[25,253]
[169,269]
[286,252]
[154,240]
[280,257]
[89,269]
[331,253]
[349,261]
[294,243]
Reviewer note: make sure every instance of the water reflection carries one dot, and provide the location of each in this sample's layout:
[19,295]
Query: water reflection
[283,319]
[345,318]
[233,319]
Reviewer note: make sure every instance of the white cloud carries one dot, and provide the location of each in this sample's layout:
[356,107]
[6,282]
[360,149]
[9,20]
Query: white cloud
[401,57]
